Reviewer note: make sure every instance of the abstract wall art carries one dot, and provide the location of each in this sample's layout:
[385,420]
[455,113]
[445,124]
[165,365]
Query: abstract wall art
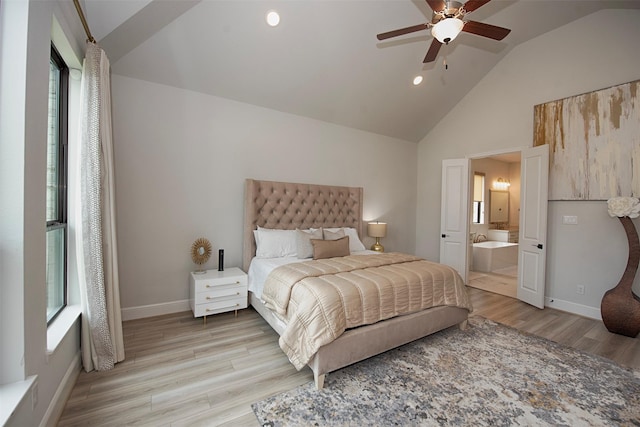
[594,143]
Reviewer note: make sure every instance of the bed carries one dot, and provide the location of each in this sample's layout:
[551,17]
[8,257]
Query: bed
[271,205]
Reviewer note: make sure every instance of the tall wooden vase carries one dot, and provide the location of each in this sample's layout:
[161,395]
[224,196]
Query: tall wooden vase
[620,307]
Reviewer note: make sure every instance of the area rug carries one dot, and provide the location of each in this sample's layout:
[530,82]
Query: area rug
[487,375]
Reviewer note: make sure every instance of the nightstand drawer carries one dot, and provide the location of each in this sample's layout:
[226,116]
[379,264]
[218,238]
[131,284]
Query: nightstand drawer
[220,292]
[209,285]
[221,305]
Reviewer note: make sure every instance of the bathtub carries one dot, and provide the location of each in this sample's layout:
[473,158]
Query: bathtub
[491,255]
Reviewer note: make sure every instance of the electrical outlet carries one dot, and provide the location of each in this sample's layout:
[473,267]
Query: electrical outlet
[570,219]
[580,289]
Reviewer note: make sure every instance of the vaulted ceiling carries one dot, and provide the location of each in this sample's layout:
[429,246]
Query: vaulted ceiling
[323,61]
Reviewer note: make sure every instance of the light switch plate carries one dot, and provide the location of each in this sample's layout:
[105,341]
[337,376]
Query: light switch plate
[570,219]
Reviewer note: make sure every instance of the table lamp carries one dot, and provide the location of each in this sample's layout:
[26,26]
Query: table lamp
[377,230]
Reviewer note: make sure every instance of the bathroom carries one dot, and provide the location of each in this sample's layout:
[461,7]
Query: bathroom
[494,220]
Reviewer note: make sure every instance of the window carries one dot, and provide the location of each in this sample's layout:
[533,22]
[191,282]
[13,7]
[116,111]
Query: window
[478,198]
[56,215]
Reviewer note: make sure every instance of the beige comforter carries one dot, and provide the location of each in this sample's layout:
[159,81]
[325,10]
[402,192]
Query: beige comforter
[320,299]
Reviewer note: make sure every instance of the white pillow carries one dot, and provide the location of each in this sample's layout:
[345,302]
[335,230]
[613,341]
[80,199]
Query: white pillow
[272,243]
[355,245]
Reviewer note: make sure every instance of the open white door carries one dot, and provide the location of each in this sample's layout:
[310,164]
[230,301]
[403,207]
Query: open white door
[532,250]
[454,215]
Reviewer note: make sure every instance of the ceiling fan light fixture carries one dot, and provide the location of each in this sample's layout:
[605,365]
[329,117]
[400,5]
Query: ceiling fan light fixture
[447,29]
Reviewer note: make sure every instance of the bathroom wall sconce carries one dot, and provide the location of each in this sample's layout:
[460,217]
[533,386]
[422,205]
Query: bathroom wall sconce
[377,230]
[501,184]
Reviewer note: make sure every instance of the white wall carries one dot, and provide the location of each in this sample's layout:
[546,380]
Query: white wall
[498,115]
[24,84]
[181,160]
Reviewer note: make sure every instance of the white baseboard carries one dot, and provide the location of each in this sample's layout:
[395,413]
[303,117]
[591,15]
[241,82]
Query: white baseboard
[572,307]
[140,312]
[59,400]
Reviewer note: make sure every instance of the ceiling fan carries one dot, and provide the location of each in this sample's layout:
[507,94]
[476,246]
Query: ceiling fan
[447,22]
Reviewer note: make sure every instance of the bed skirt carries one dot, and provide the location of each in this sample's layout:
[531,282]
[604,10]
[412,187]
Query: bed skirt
[366,341]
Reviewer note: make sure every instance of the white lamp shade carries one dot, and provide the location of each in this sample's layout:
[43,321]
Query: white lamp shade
[447,29]
[377,229]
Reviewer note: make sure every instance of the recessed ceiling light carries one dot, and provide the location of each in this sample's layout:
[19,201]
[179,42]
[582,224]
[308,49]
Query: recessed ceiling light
[417,80]
[273,18]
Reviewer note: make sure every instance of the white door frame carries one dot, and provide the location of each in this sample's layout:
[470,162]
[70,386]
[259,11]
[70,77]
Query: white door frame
[534,298]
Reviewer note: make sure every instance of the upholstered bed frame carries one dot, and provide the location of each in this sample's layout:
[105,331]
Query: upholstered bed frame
[289,206]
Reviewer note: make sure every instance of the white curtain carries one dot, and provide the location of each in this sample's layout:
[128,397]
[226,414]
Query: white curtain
[102,342]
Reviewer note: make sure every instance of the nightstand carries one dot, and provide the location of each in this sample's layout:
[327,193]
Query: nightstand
[216,291]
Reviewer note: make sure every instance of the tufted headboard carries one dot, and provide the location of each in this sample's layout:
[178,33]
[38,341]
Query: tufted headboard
[287,206]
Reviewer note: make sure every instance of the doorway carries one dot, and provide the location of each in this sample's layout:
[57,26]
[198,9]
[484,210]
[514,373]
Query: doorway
[494,223]
[532,224]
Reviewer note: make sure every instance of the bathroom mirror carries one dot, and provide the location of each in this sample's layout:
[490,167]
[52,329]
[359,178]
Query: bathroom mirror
[498,206]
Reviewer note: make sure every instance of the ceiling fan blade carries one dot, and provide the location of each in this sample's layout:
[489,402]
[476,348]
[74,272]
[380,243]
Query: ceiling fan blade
[432,53]
[402,31]
[437,5]
[472,5]
[485,30]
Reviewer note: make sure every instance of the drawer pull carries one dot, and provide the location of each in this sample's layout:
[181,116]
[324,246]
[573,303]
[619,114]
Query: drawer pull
[213,286]
[209,309]
[213,298]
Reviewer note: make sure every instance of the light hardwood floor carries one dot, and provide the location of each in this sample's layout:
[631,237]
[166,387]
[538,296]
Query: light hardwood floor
[503,284]
[179,372]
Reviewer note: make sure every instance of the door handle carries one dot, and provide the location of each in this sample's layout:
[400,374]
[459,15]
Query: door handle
[445,236]
[539,246]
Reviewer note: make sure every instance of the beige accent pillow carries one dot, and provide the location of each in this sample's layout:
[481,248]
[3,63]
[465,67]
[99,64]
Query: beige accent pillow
[303,242]
[333,235]
[330,248]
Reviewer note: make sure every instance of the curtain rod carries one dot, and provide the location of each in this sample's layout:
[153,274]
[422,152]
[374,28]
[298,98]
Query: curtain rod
[84,21]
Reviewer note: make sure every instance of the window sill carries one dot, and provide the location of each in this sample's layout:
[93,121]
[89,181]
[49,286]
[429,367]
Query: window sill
[57,330]
[11,395]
